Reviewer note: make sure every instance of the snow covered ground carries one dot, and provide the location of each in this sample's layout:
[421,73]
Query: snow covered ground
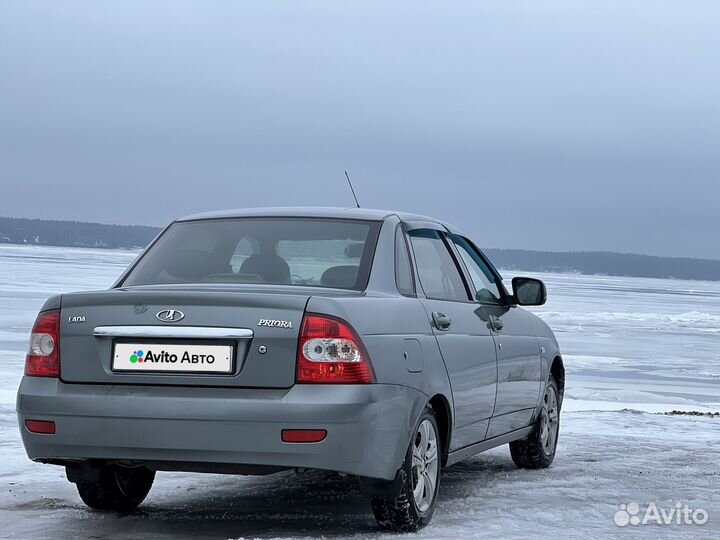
[633,349]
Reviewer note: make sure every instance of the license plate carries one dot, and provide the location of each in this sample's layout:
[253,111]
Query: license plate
[162,357]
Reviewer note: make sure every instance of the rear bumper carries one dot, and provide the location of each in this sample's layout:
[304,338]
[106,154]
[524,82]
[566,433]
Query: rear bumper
[368,426]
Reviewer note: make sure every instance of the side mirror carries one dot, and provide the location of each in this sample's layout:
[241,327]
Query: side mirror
[529,291]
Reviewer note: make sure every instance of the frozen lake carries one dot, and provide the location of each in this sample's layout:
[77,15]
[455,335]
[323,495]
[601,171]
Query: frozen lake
[633,349]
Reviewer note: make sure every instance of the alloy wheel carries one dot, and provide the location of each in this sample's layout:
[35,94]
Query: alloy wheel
[549,423]
[425,465]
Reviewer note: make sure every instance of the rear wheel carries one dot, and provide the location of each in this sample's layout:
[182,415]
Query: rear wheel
[412,509]
[537,451]
[117,488]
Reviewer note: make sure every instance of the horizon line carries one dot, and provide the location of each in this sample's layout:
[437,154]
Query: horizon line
[529,250]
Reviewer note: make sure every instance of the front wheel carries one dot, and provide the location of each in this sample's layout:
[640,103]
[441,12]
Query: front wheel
[537,451]
[117,488]
[419,479]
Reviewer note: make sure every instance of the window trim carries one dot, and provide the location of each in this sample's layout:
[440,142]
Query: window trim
[453,257]
[400,229]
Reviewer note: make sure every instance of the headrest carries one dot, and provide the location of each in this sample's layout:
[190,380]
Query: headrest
[270,267]
[343,277]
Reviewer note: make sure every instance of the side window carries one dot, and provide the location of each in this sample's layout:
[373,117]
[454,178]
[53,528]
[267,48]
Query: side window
[482,277]
[439,275]
[403,270]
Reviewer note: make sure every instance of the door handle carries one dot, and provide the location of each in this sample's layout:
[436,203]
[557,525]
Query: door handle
[442,321]
[496,323]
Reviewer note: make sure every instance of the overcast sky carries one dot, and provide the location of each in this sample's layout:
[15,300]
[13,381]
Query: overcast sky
[576,125]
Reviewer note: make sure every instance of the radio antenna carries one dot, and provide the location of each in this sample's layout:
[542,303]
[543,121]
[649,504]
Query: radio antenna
[352,189]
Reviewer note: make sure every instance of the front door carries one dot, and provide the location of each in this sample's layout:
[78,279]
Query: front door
[518,349]
[464,338]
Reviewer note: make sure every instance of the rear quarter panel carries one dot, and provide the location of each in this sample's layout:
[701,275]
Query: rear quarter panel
[400,343]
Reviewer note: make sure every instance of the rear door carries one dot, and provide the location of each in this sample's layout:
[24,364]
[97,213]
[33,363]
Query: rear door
[465,340]
[518,349]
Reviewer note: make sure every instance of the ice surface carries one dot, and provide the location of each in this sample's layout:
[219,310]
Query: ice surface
[633,348]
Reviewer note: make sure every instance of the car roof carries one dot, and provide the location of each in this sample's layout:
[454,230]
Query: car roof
[317,212]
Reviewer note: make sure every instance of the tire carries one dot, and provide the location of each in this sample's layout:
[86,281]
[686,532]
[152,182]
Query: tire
[537,451]
[409,512]
[117,488]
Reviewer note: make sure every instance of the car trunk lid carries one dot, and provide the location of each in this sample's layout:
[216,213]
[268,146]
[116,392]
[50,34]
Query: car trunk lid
[99,329]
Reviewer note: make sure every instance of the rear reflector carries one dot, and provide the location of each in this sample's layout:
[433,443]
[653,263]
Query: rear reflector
[303,435]
[45,427]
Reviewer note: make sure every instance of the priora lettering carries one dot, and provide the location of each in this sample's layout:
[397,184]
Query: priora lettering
[275,323]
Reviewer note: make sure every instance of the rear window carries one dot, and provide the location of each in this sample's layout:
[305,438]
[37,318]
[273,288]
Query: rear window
[282,251]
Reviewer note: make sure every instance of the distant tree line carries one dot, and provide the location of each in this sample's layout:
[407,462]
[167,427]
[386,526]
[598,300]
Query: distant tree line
[606,263]
[79,234]
[43,232]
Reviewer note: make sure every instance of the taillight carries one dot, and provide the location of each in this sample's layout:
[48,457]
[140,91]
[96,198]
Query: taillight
[331,352]
[43,357]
